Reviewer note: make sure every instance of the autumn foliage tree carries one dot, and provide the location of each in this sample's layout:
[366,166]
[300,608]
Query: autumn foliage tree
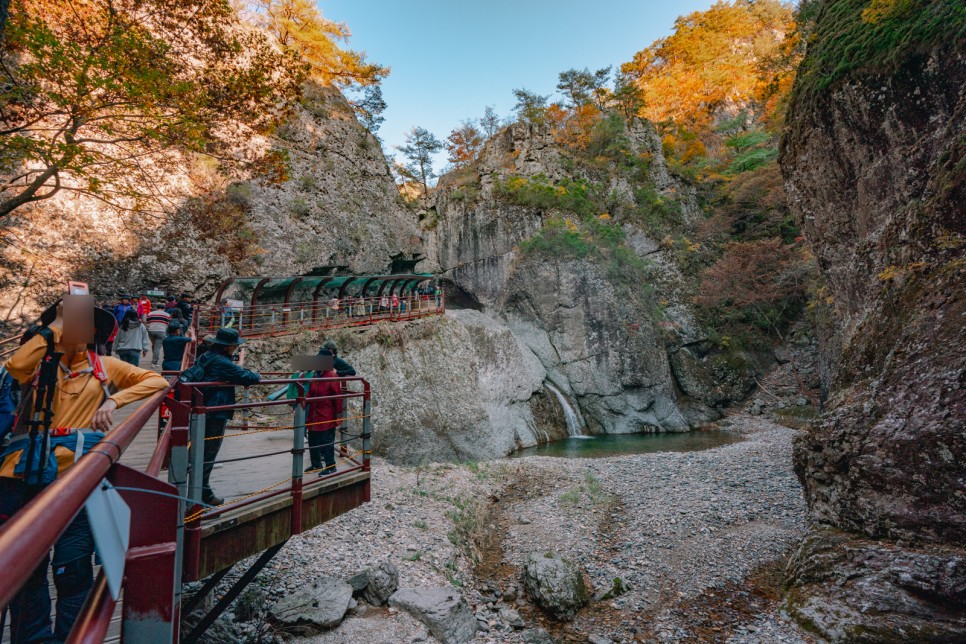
[760,282]
[464,144]
[299,26]
[720,58]
[98,94]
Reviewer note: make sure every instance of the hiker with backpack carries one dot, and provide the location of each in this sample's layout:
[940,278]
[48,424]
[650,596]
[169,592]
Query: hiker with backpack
[216,365]
[132,342]
[85,390]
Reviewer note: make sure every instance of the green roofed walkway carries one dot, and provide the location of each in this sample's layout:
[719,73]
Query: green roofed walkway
[271,306]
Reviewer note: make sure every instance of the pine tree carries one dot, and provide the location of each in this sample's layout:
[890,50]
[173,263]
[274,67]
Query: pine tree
[419,149]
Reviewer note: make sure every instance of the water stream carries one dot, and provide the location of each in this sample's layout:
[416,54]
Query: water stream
[616,444]
[574,426]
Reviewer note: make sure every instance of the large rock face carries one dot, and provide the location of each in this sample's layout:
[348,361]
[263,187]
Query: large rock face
[454,388]
[874,167]
[628,351]
[338,205]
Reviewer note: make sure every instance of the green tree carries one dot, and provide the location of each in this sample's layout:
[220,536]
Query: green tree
[490,122]
[627,97]
[421,145]
[94,102]
[530,107]
[369,107]
[582,86]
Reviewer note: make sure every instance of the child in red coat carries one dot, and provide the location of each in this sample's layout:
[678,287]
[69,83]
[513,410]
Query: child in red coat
[324,416]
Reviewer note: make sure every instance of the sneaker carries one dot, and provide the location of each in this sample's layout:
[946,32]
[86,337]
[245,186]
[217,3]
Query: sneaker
[328,470]
[212,500]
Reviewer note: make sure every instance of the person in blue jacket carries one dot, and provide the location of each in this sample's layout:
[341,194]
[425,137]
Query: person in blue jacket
[218,366]
[121,309]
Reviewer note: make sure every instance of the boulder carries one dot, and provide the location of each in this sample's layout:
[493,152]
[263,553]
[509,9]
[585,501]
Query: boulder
[315,609]
[383,582]
[536,636]
[555,584]
[444,611]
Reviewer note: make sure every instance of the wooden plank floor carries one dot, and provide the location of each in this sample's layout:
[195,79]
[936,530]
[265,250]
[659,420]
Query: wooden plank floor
[231,480]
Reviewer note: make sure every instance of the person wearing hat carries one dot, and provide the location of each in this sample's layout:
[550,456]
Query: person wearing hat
[342,368]
[123,307]
[219,367]
[88,389]
[324,415]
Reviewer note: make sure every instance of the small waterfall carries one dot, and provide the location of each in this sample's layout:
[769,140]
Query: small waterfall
[574,426]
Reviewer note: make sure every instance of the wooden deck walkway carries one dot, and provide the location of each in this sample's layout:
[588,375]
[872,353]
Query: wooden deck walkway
[231,481]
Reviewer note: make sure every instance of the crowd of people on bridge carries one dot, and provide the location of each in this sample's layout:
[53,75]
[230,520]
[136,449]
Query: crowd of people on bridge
[43,435]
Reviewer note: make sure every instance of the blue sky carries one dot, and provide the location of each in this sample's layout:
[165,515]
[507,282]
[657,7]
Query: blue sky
[452,58]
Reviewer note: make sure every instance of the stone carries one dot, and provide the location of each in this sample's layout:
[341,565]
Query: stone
[444,611]
[359,581]
[383,582]
[512,617]
[594,638]
[536,636]
[851,589]
[555,585]
[319,607]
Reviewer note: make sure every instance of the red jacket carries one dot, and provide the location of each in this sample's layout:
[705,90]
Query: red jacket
[324,415]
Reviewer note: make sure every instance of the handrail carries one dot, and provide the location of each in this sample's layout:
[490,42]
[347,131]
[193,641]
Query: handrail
[30,534]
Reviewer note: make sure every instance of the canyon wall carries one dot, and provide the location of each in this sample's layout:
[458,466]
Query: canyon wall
[875,166]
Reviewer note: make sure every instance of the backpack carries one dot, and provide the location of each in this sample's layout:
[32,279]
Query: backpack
[9,401]
[194,373]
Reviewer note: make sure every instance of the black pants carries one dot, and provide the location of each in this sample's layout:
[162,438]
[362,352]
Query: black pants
[322,446]
[213,427]
[73,577]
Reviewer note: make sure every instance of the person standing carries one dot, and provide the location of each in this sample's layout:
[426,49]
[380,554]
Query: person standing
[143,307]
[82,406]
[158,322]
[342,368]
[177,318]
[174,345]
[132,340]
[218,366]
[171,304]
[184,303]
[324,416]
[122,307]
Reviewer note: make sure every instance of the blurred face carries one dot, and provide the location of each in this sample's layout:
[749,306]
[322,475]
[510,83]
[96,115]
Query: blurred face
[124,300]
[230,349]
[77,312]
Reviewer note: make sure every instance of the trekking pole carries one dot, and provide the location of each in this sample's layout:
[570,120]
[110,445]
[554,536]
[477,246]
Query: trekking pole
[42,414]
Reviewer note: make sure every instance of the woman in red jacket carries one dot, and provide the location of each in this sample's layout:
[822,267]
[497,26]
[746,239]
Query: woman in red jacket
[324,416]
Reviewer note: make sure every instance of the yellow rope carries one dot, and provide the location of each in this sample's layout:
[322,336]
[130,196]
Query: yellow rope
[202,511]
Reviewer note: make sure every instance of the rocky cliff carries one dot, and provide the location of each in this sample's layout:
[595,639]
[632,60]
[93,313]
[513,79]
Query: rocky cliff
[874,165]
[326,198]
[459,387]
[612,322]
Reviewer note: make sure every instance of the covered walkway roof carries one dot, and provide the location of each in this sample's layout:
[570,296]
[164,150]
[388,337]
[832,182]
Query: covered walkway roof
[310,288]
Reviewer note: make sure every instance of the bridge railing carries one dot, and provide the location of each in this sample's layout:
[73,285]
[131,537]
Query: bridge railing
[167,517]
[278,318]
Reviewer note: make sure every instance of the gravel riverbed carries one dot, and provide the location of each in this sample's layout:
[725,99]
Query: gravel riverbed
[698,537]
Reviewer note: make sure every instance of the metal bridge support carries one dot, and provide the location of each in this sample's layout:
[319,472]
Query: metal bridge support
[298,460]
[196,454]
[232,593]
[151,578]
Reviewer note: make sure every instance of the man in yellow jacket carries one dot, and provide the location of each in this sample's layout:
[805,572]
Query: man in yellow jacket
[88,390]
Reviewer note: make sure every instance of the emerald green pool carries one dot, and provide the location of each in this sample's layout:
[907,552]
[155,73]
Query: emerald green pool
[618,444]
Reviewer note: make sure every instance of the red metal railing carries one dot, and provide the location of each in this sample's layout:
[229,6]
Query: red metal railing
[157,552]
[278,319]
